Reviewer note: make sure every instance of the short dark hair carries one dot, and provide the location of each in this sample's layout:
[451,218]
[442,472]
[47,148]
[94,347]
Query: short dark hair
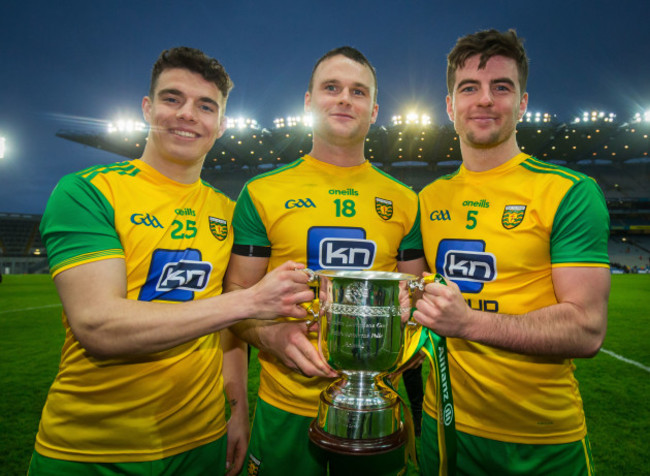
[488,43]
[193,60]
[349,52]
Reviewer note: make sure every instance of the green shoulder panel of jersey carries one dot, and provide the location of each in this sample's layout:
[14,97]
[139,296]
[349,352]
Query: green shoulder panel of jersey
[581,225]
[78,222]
[246,222]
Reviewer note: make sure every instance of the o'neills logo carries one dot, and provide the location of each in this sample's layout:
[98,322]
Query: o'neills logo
[185,212]
[384,208]
[219,228]
[512,216]
[349,191]
[483,203]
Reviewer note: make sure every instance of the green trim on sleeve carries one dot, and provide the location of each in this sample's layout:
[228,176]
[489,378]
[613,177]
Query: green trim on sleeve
[78,224]
[581,226]
[246,221]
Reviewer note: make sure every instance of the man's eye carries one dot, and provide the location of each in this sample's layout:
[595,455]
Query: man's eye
[330,87]
[170,99]
[207,108]
[359,92]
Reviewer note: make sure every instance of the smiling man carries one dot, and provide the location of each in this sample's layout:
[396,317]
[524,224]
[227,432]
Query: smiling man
[524,249]
[137,251]
[331,197]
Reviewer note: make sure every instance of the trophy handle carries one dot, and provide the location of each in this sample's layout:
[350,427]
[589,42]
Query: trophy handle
[419,284]
[312,307]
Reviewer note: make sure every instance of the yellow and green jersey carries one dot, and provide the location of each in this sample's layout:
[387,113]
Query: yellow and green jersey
[498,234]
[176,241]
[327,217]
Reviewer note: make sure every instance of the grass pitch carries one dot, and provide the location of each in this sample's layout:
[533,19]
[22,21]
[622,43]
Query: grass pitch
[614,391]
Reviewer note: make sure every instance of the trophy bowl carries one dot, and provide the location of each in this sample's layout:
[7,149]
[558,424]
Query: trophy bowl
[361,335]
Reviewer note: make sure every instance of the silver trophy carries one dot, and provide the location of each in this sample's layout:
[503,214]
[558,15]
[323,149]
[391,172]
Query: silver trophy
[361,335]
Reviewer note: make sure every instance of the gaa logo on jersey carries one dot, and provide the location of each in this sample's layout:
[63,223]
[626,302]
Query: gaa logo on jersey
[175,275]
[384,208]
[219,228]
[512,216]
[300,203]
[466,263]
[339,248]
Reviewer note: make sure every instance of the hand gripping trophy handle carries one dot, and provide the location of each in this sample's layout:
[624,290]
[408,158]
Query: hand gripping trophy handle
[419,285]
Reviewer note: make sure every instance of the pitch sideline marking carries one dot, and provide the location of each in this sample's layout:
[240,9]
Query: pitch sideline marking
[628,361]
[30,308]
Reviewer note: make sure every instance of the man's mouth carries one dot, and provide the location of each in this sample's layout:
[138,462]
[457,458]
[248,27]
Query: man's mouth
[181,133]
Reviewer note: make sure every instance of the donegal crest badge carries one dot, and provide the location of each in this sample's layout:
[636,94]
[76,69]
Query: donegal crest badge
[512,216]
[253,466]
[219,228]
[384,208]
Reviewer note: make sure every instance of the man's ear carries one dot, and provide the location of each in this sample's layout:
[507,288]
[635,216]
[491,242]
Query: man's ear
[307,102]
[450,108]
[146,108]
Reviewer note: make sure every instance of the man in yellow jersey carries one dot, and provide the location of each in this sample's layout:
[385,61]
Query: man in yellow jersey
[138,250]
[331,209]
[523,245]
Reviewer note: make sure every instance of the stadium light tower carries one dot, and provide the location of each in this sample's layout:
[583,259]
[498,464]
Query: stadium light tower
[126,126]
[3,145]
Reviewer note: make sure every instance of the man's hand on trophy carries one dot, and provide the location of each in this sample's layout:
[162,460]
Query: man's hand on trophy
[289,342]
[444,310]
[280,292]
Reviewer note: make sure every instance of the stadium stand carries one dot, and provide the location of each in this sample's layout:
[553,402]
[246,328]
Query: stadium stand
[21,249]
[614,153]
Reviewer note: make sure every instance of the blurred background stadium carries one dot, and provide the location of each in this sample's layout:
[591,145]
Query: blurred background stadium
[612,150]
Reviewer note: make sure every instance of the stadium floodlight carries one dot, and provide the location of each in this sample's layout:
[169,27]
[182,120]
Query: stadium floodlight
[126,126]
[3,147]
[294,121]
[642,117]
[241,123]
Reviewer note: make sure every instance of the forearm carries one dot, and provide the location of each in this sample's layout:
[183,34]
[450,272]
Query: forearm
[110,325]
[235,372]
[561,330]
[573,327]
[253,332]
[121,326]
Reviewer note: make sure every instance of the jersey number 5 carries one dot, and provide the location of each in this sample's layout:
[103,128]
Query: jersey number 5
[471,219]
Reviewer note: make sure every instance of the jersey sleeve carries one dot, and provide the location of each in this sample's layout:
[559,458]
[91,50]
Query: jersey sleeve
[581,227]
[78,225]
[248,226]
[413,240]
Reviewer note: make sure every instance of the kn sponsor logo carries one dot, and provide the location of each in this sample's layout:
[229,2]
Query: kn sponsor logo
[339,248]
[299,203]
[466,263]
[175,275]
[146,220]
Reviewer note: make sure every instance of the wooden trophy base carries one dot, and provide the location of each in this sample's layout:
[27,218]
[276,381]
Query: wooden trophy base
[349,446]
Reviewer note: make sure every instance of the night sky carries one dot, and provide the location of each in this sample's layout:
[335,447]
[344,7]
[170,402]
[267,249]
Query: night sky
[76,65]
